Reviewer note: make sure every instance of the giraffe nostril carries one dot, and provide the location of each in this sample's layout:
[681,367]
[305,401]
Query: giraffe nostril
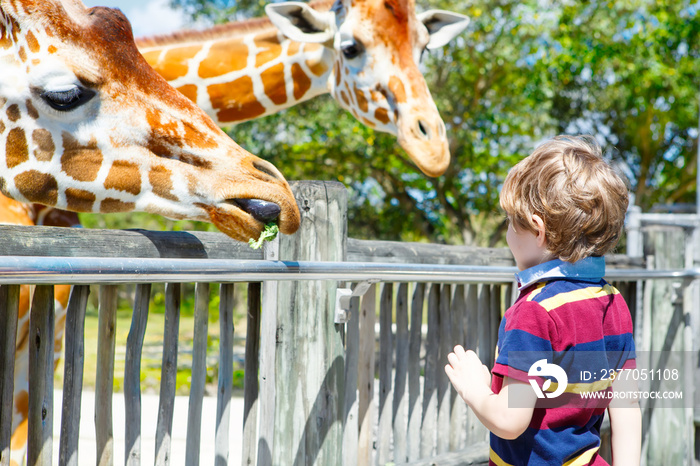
[268,169]
[423,130]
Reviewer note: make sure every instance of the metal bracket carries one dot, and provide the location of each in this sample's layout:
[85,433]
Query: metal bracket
[343,296]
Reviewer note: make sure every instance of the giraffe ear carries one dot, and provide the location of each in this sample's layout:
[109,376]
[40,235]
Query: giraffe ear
[443,26]
[301,23]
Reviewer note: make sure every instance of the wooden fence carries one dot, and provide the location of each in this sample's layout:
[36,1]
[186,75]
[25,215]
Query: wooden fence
[371,390]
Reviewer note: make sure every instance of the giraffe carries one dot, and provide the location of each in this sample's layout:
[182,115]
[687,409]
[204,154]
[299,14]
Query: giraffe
[365,53]
[87,126]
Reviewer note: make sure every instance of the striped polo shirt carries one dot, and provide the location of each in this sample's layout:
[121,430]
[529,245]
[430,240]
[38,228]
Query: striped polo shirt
[567,314]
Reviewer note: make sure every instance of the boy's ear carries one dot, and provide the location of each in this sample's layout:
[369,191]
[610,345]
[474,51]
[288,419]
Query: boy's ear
[539,224]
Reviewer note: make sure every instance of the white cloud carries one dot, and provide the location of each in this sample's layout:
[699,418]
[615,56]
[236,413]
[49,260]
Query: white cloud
[147,17]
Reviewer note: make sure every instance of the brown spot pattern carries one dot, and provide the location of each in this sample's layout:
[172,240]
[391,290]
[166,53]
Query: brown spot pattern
[13,112]
[124,176]
[361,99]
[268,48]
[336,71]
[22,403]
[382,115]
[31,110]
[45,147]
[37,187]
[2,127]
[52,49]
[109,205]
[80,200]
[5,42]
[344,98]
[17,151]
[80,162]
[33,44]
[223,57]
[235,101]
[293,48]
[189,91]
[318,68]
[396,87]
[162,183]
[302,83]
[273,83]
[175,64]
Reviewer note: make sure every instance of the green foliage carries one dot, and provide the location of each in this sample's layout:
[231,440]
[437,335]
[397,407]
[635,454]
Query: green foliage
[523,71]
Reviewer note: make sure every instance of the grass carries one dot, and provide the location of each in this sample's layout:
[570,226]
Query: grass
[152,351]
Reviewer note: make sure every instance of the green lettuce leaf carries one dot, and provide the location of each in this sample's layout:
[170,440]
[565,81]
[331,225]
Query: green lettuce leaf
[268,234]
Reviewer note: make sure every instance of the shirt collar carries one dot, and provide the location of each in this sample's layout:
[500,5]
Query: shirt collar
[588,269]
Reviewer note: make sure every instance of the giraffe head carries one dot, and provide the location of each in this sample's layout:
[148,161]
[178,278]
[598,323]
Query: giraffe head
[377,45]
[87,126]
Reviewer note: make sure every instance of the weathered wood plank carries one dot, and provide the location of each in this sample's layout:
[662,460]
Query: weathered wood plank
[251,386]
[494,322]
[73,376]
[351,403]
[199,373]
[9,308]
[421,253]
[473,455]
[76,242]
[443,383]
[458,407]
[225,383]
[400,405]
[484,325]
[667,430]
[268,348]
[414,376]
[168,374]
[132,375]
[384,432]
[40,417]
[430,396]
[365,377]
[104,380]
[310,363]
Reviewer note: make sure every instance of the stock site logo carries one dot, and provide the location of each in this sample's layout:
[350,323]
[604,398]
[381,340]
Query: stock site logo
[542,368]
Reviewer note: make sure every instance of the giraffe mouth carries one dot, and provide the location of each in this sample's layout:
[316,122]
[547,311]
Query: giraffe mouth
[262,211]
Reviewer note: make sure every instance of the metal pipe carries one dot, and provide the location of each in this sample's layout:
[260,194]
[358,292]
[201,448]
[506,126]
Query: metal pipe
[89,270]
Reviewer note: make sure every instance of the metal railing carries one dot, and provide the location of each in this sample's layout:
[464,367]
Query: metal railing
[94,270]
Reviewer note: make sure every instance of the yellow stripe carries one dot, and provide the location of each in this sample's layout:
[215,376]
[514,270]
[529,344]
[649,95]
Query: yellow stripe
[536,291]
[581,386]
[582,459]
[577,295]
[497,459]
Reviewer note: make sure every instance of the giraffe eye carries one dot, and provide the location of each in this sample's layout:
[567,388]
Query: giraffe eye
[351,48]
[68,99]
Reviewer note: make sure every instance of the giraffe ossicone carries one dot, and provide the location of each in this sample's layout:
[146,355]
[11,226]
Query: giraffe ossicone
[88,126]
[365,53]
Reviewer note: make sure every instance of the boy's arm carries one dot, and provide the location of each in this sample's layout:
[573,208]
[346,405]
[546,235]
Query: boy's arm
[472,381]
[625,426]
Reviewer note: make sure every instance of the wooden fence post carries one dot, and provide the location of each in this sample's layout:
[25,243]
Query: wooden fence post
[667,429]
[309,362]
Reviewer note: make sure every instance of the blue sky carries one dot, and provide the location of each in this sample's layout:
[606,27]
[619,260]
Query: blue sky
[148,17]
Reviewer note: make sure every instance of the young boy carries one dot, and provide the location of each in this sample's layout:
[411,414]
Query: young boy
[566,209]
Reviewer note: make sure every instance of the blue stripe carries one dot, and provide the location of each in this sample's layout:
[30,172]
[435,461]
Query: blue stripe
[546,447]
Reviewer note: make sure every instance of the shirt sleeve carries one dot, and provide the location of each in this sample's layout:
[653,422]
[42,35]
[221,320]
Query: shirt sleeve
[525,337]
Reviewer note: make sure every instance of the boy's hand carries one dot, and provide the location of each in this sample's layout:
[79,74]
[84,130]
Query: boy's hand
[468,375]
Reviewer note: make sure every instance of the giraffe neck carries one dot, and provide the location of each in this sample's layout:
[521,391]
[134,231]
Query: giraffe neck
[236,74]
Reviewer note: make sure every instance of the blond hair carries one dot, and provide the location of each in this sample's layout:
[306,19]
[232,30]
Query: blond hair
[578,195]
